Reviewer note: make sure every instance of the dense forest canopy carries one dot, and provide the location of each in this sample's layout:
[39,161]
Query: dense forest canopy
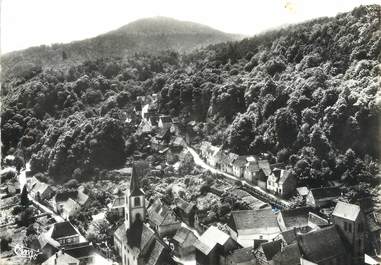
[308,94]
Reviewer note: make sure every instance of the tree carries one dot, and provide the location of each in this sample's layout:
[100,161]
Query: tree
[24,200]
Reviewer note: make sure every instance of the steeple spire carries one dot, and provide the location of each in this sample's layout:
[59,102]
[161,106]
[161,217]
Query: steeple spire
[136,174]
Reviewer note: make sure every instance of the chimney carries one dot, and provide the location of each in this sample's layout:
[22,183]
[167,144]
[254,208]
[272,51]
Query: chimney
[63,250]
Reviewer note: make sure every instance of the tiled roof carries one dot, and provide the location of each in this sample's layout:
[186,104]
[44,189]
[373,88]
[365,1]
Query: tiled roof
[240,161]
[118,202]
[80,250]
[346,211]
[210,238]
[61,259]
[139,235]
[63,229]
[271,248]
[297,217]
[249,219]
[40,187]
[289,255]
[161,214]
[326,192]
[243,255]
[289,236]
[184,237]
[252,166]
[120,233]
[321,244]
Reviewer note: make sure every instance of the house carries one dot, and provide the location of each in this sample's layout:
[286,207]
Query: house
[185,211]
[289,255]
[319,197]
[68,208]
[164,121]
[117,207]
[239,166]
[65,234]
[40,190]
[302,191]
[351,222]
[249,199]
[84,252]
[242,256]
[134,241]
[163,136]
[231,158]
[177,143]
[374,233]
[316,221]
[61,258]
[163,219]
[294,219]
[262,179]
[265,253]
[183,242]
[281,182]
[247,225]
[323,247]
[213,247]
[211,157]
[68,204]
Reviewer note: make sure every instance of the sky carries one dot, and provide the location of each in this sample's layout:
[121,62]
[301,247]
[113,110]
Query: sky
[26,23]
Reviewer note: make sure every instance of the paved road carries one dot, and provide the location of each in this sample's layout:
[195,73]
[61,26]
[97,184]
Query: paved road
[198,161]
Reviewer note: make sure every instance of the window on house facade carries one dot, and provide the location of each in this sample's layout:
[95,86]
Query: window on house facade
[137,201]
[359,242]
[345,226]
[350,227]
[359,228]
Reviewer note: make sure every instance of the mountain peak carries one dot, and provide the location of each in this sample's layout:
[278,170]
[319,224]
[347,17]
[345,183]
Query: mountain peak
[165,25]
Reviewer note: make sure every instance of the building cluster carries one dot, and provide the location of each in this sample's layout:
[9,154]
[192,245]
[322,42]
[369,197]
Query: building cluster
[159,234]
[62,244]
[274,178]
[65,204]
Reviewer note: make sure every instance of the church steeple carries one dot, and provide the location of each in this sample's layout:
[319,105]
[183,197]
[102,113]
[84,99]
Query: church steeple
[135,198]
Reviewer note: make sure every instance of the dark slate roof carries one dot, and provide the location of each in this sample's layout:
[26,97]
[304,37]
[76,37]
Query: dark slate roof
[289,255]
[346,210]
[184,237]
[80,250]
[161,214]
[139,235]
[248,219]
[321,244]
[271,248]
[242,255]
[326,192]
[317,220]
[289,236]
[297,217]
[155,254]
[63,229]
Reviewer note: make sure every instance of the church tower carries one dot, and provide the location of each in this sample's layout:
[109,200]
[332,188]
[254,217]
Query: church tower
[135,199]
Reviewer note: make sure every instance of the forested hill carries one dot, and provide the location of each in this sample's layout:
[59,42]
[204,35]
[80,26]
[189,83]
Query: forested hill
[150,35]
[307,94]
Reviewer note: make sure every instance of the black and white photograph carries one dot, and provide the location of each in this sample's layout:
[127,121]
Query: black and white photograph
[178,132]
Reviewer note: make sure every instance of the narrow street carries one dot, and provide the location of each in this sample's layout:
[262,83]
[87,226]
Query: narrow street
[198,161]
